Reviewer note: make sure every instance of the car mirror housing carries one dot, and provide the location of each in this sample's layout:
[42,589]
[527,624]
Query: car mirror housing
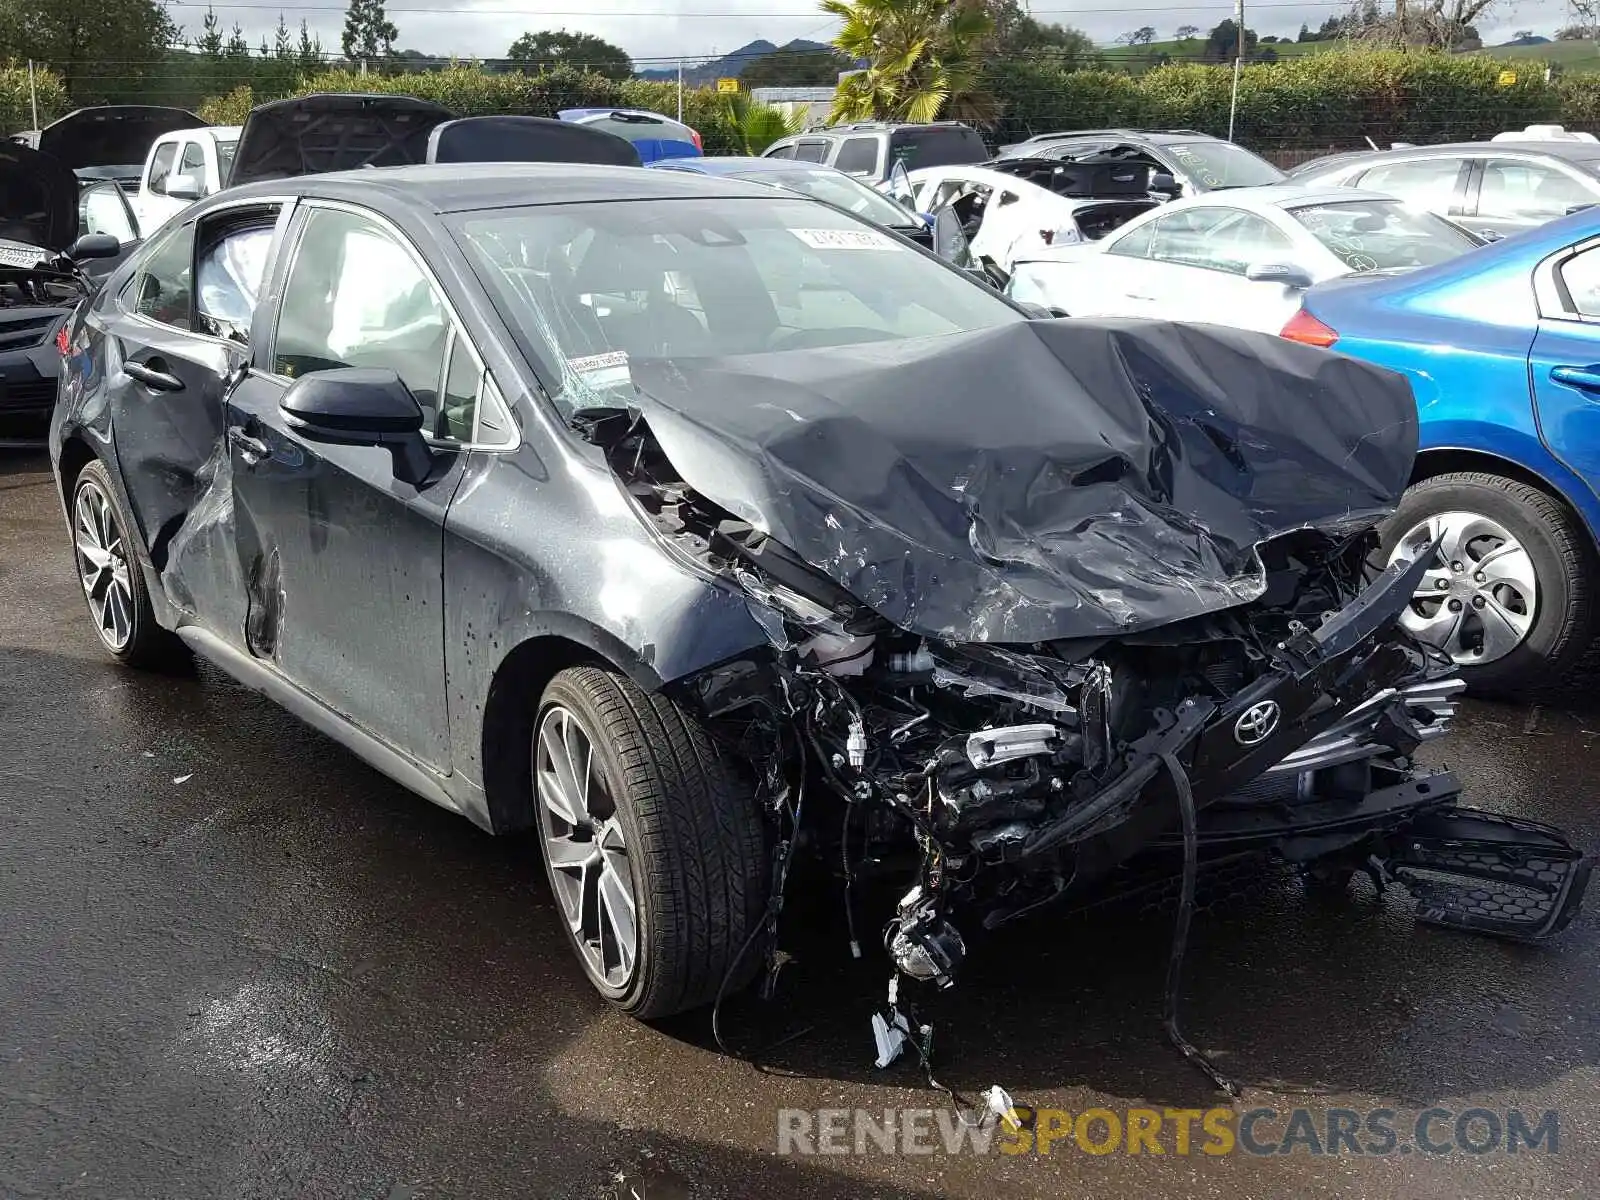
[1164,183]
[94,245]
[185,187]
[357,406]
[1287,274]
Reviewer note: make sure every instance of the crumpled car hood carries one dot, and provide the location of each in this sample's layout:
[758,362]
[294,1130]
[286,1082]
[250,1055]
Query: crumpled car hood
[1040,480]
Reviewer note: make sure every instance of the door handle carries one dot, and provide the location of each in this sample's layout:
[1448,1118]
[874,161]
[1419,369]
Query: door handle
[1585,379]
[252,450]
[156,381]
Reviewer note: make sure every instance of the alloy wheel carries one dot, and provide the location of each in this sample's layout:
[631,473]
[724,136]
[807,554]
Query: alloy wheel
[1480,595]
[103,566]
[585,848]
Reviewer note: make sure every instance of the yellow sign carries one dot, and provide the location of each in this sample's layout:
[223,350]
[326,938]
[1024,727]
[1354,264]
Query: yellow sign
[732,85]
[1507,78]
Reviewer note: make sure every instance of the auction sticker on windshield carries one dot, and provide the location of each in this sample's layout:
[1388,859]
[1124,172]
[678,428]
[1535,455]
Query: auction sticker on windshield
[844,239]
[602,370]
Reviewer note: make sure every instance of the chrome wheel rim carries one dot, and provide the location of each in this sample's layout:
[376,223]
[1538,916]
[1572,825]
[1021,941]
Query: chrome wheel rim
[1480,596]
[585,849]
[103,565]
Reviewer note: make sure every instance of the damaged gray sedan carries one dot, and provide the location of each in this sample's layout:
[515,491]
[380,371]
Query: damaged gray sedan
[695,527]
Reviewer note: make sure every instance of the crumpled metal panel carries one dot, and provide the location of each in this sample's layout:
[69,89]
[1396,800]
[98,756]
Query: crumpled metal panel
[1040,480]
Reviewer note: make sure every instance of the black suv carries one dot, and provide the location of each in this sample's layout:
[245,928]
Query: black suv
[1197,161]
[870,149]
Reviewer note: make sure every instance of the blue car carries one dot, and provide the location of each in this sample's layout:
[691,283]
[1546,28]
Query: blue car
[1502,347]
[818,182]
[654,136]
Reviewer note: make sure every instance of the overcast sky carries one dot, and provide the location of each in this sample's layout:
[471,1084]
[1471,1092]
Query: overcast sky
[664,29]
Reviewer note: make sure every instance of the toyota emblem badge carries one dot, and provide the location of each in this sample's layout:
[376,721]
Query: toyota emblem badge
[1256,723]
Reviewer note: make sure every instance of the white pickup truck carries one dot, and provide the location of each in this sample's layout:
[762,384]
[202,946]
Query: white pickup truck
[180,168]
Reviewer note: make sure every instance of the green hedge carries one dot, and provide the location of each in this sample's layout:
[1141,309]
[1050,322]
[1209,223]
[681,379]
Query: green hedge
[1333,99]
[1328,99]
[16,104]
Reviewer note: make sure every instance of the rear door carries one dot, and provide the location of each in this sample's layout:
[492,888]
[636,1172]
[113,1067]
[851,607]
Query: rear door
[1564,363]
[344,562]
[173,350]
[1510,195]
[1197,265]
[1435,183]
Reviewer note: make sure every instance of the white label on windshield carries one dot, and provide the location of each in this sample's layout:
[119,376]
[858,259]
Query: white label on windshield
[602,370]
[845,239]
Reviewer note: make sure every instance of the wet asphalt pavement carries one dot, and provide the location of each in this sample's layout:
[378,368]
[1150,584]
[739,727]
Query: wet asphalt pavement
[236,962]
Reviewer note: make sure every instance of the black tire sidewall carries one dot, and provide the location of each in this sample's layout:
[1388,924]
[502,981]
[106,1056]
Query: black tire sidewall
[566,692]
[1549,640]
[144,627]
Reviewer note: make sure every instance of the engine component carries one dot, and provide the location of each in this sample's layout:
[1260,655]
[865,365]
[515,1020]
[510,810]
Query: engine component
[991,747]
[924,945]
[841,654]
[855,744]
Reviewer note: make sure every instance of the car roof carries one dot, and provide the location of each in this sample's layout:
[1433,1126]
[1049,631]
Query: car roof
[1158,136]
[740,165]
[1572,151]
[1277,195]
[468,187]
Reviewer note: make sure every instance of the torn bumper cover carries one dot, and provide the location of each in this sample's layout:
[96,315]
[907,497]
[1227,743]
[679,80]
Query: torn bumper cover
[1035,593]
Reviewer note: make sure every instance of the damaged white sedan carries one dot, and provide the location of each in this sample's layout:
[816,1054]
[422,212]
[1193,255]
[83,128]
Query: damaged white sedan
[699,527]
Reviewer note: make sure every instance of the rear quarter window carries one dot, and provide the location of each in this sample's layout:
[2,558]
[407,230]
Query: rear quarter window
[858,156]
[932,146]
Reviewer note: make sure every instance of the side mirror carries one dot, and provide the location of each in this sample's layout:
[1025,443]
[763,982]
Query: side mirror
[356,406]
[1576,208]
[1164,183]
[1287,274]
[185,187]
[94,245]
[1043,312]
[1491,235]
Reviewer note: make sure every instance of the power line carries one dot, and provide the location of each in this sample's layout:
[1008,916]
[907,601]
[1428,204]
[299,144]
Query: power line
[1214,5]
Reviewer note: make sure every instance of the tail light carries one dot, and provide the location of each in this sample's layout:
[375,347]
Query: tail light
[1303,327]
[64,339]
[698,144]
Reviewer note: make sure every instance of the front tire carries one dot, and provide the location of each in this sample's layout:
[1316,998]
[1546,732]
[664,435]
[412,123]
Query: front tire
[653,844]
[1509,596]
[108,569]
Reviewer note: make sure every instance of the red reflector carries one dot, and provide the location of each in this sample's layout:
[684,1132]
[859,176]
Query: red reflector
[1303,327]
[63,340]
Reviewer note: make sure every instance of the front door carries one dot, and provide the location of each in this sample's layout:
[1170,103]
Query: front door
[343,562]
[1511,195]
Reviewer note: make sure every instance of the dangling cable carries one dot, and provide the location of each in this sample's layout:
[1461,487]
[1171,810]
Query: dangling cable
[1180,933]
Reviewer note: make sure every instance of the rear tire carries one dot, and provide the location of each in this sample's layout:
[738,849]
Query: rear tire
[666,818]
[108,569]
[1499,512]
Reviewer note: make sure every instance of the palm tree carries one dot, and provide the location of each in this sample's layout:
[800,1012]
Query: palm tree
[923,59]
[753,126]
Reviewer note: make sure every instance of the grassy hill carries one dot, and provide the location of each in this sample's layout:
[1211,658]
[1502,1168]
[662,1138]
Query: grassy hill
[1574,57]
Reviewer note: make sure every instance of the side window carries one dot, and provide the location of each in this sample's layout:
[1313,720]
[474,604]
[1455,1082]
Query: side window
[1428,183]
[356,297]
[1580,276]
[102,209]
[858,156]
[1135,243]
[1243,239]
[163,288]
[161,166]
[814,150]
[463,379]
[194,161]
[1185,238]
[781,152]
[230,266]
[1531,191]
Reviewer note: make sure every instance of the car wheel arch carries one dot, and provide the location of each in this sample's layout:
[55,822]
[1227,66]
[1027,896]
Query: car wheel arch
[510,707]
[1442,460]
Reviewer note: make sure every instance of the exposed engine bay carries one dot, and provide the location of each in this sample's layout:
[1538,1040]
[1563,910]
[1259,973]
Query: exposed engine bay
[1274,707]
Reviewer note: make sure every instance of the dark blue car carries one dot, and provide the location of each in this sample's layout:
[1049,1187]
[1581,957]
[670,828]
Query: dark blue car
[1502,347]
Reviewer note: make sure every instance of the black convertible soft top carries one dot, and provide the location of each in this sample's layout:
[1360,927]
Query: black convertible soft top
[1043,479]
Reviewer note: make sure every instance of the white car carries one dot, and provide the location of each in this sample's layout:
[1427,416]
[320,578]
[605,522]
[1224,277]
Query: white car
[1239,258]
[1006,216]
[180,168]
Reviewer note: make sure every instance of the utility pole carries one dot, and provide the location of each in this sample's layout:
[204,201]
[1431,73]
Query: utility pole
[680,91]
[1238,61]
[33,94]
